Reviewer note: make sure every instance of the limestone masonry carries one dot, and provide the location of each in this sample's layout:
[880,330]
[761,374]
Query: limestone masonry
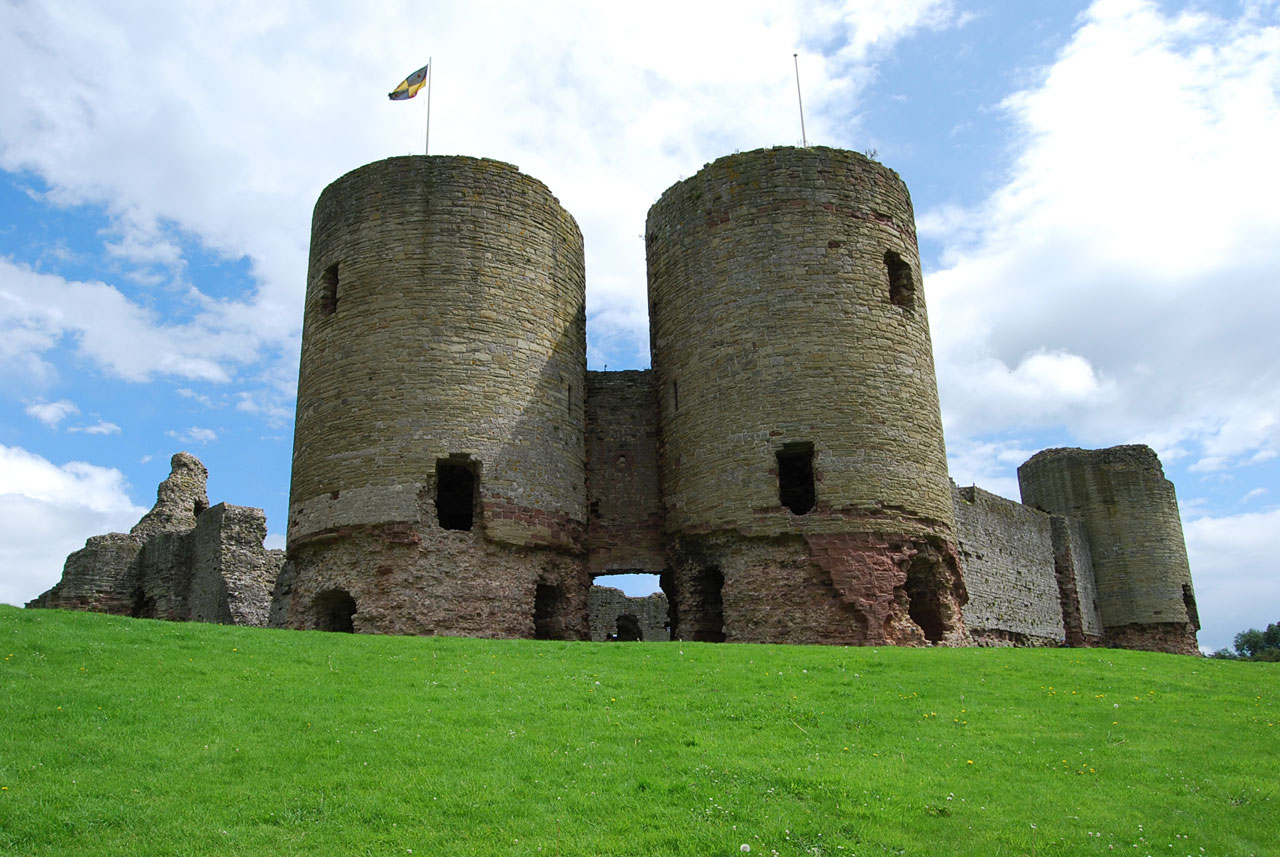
[183,561]
[457,470]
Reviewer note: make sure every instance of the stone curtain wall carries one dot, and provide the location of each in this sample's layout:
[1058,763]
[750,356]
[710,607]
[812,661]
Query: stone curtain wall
[1007,551]
[444,321]
[624,525]
[1130,513]
[787,317]
[608,604]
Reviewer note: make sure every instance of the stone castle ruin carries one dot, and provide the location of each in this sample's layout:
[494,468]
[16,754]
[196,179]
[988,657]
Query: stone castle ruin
[183,561]
[457,470]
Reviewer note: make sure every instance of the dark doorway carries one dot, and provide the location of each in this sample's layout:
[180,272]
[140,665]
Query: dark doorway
[707,625]
[548,624]
[628,629]
[924,606]
[796,489]
[335,610]
[455,493]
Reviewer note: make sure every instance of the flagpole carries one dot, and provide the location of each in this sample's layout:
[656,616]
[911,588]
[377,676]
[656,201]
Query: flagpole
[804,140]
[426,149]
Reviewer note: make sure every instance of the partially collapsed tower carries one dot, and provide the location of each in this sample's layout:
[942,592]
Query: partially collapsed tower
[1139,555]
[438,474]
[804,476]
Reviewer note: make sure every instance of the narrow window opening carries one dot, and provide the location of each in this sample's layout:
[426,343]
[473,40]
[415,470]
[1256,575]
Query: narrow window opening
[199,506]
[334,610]
[902,288]
[329,290]
[629,630]
[708,598]
[675,394]
[569,399]
[796,488]
[1189,599]
[924,605]
[455,493]
[548,624]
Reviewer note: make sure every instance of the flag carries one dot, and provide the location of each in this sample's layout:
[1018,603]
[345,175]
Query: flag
[409,87]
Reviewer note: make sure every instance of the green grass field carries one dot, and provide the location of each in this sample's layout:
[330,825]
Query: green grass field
[131,737]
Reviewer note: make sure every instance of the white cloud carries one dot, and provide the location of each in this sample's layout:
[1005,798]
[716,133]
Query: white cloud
[123,338]
[100,427]
[47,511]
[1122,281]
[1233,560]
[52,413]
[195,434]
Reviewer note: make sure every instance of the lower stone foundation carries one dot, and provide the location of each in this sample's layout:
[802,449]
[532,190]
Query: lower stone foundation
[1177,638]
[841,589]
[403,578]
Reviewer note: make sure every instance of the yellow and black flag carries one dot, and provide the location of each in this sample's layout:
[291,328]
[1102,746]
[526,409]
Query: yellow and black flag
[409,87]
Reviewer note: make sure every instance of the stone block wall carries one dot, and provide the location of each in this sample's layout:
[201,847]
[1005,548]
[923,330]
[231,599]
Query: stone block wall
[1073,566]
[617,616]
[1130,513]
[439,472]
[183,561]
[1007,551]
[624,500]
[801,451]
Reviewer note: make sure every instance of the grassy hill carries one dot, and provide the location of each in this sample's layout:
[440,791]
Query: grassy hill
[131,737]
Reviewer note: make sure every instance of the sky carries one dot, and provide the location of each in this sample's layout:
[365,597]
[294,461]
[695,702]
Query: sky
[1095,186]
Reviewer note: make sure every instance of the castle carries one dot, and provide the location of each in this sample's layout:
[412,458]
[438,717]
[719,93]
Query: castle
[457,470]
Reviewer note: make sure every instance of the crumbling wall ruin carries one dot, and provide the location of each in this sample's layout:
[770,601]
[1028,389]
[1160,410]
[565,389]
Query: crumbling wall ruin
[183,561]
[617,616]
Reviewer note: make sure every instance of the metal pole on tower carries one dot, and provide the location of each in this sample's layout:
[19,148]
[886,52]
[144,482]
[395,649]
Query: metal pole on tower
[804,140]
[431,67]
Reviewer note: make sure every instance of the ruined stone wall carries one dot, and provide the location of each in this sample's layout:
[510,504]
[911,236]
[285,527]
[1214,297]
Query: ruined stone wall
[183,561]
[444,328]
[790,346]
[232,576]
[1073,566]
[1007,551]
[624,526]
[1130,513]
[98,577]
[611,608]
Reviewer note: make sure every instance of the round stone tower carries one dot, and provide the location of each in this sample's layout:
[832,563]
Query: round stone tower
[802,460]
[438,465]
[1130,512]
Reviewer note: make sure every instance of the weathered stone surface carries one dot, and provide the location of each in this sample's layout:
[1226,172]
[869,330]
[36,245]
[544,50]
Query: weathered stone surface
[624,499]
[179,498]
[782,466]
[1130,513]
[183,561]
[616,616]
[98,577]
[443,356]
[1007,551]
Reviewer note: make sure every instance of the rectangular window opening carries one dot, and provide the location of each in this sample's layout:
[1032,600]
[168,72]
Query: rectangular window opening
[902,287]
[456,485]
[329,290]
[796,489]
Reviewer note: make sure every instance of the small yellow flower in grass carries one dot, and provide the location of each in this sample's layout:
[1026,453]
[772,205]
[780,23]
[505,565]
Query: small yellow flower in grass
[971,761]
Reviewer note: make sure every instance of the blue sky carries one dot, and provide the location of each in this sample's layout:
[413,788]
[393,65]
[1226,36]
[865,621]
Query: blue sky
[1094,183]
